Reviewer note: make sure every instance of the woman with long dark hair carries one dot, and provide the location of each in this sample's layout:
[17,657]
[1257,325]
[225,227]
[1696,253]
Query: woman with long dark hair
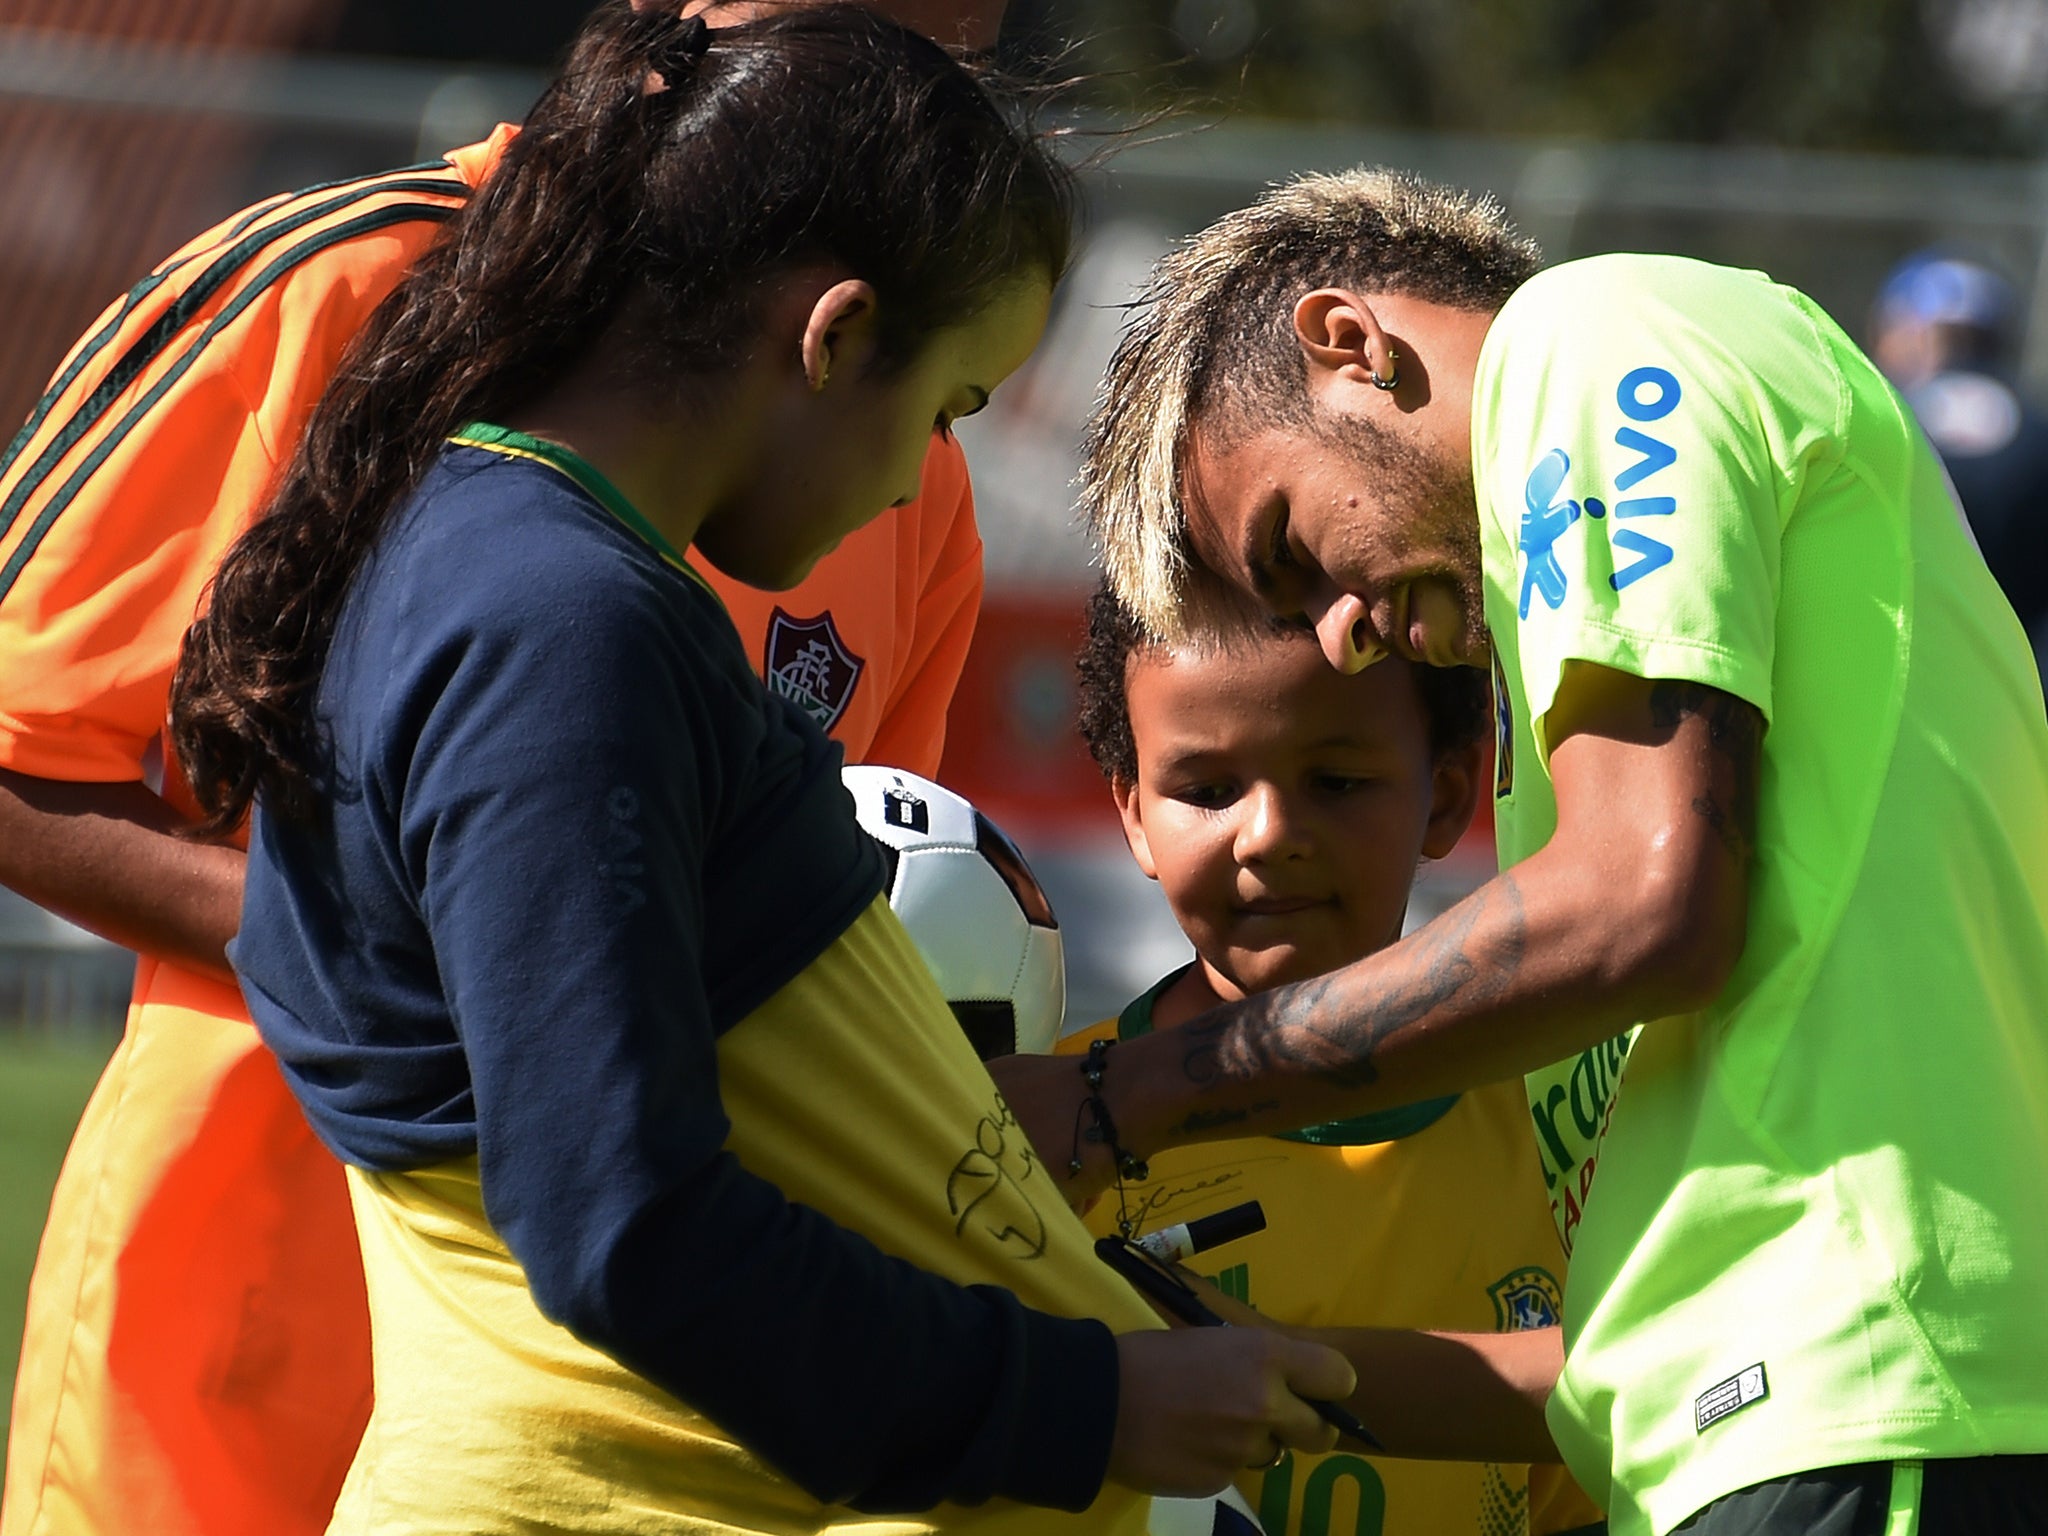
[195,1359]
[683,1203]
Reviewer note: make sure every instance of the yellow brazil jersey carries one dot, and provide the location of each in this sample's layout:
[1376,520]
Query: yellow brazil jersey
[853,1089]
[1428,1217]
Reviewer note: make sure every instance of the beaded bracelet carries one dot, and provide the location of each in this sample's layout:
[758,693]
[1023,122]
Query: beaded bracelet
[1128,1164]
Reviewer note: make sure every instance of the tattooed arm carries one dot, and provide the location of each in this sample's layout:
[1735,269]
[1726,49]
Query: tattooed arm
[1635,909]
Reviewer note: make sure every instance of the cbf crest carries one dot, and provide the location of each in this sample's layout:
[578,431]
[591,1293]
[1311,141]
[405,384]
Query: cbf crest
[807,663]
[1526,1298]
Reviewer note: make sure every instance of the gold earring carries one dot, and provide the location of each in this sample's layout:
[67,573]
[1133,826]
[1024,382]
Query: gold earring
[1393,378]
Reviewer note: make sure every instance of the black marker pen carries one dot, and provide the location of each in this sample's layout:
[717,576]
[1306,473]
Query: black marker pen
[1138,1266]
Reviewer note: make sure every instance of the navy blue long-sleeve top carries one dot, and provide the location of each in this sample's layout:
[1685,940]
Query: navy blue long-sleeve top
[567,839]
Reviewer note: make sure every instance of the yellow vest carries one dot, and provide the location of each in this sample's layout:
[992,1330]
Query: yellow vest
[853,1089]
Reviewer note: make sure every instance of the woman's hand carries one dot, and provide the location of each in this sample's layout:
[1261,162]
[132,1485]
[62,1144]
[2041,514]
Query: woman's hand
[1196,1406]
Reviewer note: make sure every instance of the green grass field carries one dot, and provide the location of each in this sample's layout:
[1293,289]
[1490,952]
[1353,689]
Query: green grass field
[43,1086]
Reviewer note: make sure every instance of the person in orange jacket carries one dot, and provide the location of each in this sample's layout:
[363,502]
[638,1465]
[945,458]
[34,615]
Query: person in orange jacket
[196,1356]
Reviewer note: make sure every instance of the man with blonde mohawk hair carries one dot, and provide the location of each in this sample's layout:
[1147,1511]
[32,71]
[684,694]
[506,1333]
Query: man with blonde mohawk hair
[1772,804]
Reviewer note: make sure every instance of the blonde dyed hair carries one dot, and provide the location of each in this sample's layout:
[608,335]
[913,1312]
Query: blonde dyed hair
[1210,339]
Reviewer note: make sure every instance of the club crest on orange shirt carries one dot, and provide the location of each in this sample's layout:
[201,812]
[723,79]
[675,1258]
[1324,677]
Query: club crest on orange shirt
[806,662]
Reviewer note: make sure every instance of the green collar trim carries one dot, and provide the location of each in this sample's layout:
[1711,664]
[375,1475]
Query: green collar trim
[584,474]
[1358,1131]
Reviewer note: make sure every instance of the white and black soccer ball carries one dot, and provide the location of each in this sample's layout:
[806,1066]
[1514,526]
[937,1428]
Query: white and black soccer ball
[972,906]
[1225,1515]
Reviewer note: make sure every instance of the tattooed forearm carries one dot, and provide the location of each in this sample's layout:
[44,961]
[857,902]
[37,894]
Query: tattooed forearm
[1331,1027]
[1200,1120]
[1735,732]
[1214,1045]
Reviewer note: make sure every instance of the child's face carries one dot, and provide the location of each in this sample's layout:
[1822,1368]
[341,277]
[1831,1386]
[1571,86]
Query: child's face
[848,443]
[1283,806]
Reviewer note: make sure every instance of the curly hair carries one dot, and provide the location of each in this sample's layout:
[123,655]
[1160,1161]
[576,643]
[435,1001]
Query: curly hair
[1456,701]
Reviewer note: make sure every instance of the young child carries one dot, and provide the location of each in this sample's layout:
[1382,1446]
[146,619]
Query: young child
[1283,807]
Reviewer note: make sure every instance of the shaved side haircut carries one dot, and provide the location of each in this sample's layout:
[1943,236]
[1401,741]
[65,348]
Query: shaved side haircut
[1210,340]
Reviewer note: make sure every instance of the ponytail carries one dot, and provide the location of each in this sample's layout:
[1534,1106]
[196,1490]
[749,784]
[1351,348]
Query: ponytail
[670,164]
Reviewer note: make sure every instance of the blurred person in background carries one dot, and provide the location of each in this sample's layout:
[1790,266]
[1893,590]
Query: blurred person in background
[196,1356]
[1945,330]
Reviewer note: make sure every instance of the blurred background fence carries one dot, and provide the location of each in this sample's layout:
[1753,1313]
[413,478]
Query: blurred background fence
[128,128]
[56,980]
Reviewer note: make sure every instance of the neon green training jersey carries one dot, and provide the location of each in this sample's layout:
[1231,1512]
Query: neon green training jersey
[1818,1229]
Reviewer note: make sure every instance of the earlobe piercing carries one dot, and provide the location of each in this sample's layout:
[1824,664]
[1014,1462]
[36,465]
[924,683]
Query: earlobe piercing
[1393,378]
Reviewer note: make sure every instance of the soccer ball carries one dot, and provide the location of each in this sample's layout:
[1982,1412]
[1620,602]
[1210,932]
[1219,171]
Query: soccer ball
[1225,1515]
[972,906]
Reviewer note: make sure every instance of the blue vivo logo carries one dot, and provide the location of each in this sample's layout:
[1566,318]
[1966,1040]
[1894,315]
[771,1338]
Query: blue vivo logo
[1645,396]
[1544,522]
